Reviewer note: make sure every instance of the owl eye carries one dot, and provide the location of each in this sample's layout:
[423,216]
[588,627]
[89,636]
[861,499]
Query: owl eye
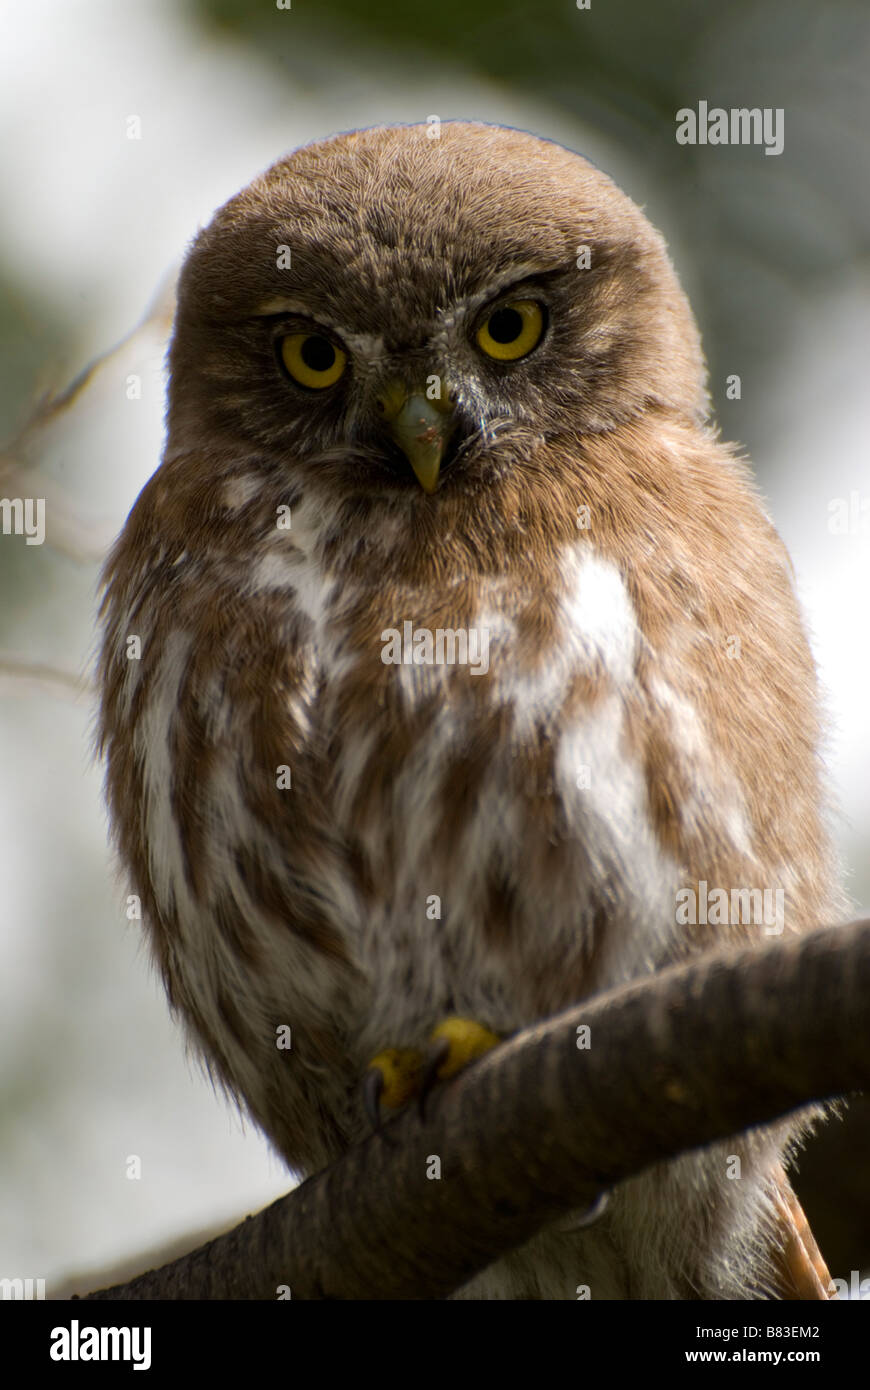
[512,330]
[312,359]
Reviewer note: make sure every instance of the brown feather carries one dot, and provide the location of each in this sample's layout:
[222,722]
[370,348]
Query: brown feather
[800,1266]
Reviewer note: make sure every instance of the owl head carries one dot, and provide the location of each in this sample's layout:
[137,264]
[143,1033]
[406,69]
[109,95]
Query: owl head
[387,310]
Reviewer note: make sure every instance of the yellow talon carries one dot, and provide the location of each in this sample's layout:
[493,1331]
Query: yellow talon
[399,1069]
[465,1041]
[398,1074]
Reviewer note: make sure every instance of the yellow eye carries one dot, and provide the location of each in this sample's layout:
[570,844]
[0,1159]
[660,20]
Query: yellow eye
[512,330]
[312,359]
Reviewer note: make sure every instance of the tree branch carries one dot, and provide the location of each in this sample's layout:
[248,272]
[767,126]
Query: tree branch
[539,1128]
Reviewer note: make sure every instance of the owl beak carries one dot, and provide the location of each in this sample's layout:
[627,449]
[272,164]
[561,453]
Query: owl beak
[421,428]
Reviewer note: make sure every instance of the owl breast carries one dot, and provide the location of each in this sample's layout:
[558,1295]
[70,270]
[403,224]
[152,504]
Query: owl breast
[484,766]
[363,783]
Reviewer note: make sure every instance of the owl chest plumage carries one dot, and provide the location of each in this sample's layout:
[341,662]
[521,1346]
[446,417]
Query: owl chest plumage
[360,788]
[481,768]
[430,834]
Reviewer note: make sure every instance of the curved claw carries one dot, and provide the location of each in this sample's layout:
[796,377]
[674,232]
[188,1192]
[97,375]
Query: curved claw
[455,1043]
[591,1214]
[389,1082]
[436,1055]
[372,1090]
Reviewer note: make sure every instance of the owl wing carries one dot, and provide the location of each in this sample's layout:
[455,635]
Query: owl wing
[800,1269]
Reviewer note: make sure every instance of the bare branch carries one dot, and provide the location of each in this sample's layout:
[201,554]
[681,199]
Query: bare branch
[20,674]
[47,407]
[539,1128]
[82,539]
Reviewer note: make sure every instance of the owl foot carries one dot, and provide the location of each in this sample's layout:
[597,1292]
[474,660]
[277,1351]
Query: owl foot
[397,1075]
[452,1045]
[391,1080]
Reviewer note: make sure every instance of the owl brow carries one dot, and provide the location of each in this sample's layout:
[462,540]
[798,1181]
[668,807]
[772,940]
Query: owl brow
[367,345]
[276,306]
[513,281]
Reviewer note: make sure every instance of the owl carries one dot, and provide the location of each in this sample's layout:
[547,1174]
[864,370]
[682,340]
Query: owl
[452,671]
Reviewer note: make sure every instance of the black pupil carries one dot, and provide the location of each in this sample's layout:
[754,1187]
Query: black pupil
[318,353]
[505,325]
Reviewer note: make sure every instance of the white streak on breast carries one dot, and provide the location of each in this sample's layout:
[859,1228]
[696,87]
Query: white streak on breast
[716,791]
[237,492]
[610,817]
[285,568]
[595,625]
[151,743]
[598,616]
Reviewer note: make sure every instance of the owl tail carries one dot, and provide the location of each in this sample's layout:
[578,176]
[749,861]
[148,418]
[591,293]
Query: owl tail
[800,1268]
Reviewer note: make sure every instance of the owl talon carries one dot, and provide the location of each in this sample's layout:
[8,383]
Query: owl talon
[437,1055]
[372,1090]
[392,1078]
[592,1213]
[398,1074]
[452,1046]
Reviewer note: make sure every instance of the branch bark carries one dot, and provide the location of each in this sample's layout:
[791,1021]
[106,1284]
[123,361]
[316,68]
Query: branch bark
[539,1128]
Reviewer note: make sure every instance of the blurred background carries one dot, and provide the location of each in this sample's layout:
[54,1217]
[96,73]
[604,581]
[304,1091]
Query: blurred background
[121,129]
